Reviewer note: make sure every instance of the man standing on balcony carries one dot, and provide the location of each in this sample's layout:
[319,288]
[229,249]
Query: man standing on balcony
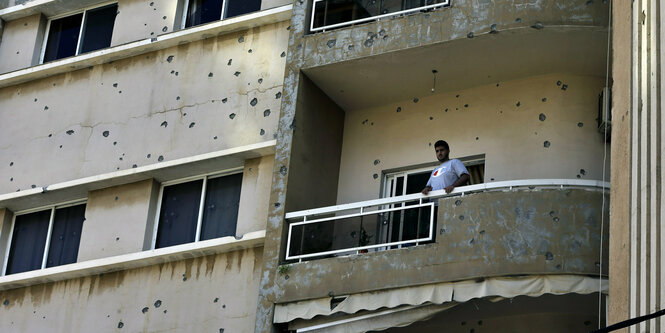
[450,174]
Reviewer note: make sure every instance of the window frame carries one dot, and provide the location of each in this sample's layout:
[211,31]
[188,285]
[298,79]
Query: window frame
[83,11]
[47,244]
[199,221]
[185,9]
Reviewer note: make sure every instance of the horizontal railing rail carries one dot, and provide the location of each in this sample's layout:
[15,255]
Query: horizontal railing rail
[388,205]
[442,3]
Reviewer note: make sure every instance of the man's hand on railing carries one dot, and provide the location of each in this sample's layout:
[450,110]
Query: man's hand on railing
[426,190]
[449,189]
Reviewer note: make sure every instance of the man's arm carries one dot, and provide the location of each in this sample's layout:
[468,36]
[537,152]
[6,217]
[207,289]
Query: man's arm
[463,179]
[426,190]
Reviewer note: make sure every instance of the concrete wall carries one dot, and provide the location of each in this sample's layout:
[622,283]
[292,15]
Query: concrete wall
[517,232]
[527,128]
[5,225]
[118,220]
[215,293]
[256,181]
[21,43]
[205,96]
[140,19]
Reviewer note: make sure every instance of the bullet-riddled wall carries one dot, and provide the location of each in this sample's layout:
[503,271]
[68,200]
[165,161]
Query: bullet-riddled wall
[540,127]
[195,98]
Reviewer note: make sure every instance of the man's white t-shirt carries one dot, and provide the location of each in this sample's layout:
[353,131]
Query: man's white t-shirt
[446,174]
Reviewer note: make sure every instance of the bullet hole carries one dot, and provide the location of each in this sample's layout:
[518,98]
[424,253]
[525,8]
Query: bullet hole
[497,84]
[331,43]
[463,323]
[564,87]
[236,74]
[282,170]
[115,85]
[163,17]
[192,124]
[492,179]
[117,239]
[158,303]
[578,176]
[473,240]
[278,95]
[144,310]
[221,330]
[260,81]
[169,58]
[121,324]
[544,99]
[446,110]
[555,219]
[580,124]
[119,91]
[376,162]
[266,112]
[546,144]
[6,302]
[558,83]
[375,176]
[461,217]
[253,102]
[215,137]
[134,166]
[286,277]
[210,74]
[70,132]
[151,4]
[241,39]
[518,104]
[262,132]
[105,134]
[184,278]
[458,202]
[542,117]
[60,147]
[549,256]
[45,107]
[466,105]
[582,171]
[283,55]
[538,26]
[224,100]
[442,231]
[165,28]
[369,42]
[552,213]
[120,158]
[371,124]
[11,163]
[469,35]
[11,179]
[172,72]
[216,300]
[493,29]
[482,232]
[177,98]
[415,100]
[33,185]
[160,158]
[476,138]
[277,204]
[176,73]
[351,47]
[164,123]
[232,115]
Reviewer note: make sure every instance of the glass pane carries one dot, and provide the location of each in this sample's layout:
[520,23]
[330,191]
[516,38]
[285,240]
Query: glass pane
[66,235]
[220,213]
[98,28]
[240,7]
[179,214]
[27,250]
[203,11]
[63,37]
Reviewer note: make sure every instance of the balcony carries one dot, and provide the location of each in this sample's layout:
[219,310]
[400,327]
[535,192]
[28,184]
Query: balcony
[519,227]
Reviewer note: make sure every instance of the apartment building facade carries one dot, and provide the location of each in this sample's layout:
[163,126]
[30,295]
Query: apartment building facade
[138,139]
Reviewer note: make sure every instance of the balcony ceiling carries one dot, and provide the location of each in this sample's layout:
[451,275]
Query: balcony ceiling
[462,64]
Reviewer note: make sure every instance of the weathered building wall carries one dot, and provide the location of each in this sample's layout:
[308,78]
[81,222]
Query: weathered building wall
[21,43]
[541,231]
[528,128]
[214,293]
[140,19]
[200,97]
[253,209]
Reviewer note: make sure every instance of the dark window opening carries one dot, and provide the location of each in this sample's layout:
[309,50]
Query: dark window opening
[63,37]
[220,214]
[178,215]
[66,235]
[203,11]
[241,7]
[98,28]
[26,252]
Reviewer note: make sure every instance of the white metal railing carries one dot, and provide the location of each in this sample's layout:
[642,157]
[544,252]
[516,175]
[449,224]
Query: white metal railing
[387,205]
[441,3]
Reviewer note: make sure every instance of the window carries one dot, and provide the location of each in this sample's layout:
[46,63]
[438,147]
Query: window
[199,209]
[84,32]
[45,238]
[204,11]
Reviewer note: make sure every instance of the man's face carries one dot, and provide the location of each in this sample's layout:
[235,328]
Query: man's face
[441,153]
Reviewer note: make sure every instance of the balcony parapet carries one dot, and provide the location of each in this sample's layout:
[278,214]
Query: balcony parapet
[521,227]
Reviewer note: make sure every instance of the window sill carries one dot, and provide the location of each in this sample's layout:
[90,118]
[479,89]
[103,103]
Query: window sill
[189,35]
[161,172]
[133,260]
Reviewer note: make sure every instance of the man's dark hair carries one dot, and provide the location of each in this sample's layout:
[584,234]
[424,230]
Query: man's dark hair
[443,144]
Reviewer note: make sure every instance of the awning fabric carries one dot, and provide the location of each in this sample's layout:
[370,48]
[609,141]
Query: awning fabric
[427,300]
